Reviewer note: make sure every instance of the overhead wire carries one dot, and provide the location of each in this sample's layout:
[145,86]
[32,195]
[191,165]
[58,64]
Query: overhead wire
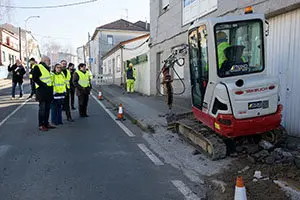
[47,7]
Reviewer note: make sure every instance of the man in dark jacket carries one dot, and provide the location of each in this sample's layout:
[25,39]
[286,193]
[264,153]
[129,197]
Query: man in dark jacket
[72,87]
[18,72]
[32,63]
[66,105]
[44,91]
[82,83]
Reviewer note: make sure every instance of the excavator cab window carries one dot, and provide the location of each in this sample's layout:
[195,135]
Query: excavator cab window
[239,48]
[198,64]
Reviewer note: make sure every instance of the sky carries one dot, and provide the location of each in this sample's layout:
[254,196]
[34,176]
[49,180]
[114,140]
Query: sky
[69,26]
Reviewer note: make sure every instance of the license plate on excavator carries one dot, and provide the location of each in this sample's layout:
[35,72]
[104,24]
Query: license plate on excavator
[258,104]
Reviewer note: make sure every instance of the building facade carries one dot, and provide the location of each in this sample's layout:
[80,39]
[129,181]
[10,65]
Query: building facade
[170,20]
[9,48]
[81,54]
[32,43]
[107,36]
[135,51]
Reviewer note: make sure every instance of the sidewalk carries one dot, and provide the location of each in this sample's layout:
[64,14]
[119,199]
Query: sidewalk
[148,111]
[5,83]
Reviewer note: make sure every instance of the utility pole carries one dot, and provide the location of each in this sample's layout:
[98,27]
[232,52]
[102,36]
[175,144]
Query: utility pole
[26,42]
[20,42]
[89,42]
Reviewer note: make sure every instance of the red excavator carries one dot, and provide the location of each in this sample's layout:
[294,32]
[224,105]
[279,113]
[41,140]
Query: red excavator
[232,95]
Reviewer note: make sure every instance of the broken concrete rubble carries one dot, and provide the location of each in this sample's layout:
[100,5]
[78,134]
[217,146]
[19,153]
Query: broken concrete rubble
[265,145]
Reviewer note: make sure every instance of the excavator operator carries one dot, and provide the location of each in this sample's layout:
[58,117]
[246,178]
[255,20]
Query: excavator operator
[222,43]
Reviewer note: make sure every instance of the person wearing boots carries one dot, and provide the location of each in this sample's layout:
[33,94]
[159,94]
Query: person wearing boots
[82,83]
[131,77]
[66,105]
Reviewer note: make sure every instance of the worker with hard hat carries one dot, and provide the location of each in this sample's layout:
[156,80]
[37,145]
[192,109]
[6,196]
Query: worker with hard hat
[131,76]
[222,43]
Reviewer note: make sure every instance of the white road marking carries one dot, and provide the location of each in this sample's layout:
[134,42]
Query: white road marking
[187,193]
[122,126]
[11,114]
[150,155]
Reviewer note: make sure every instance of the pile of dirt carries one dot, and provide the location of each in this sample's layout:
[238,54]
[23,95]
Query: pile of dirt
[257,188]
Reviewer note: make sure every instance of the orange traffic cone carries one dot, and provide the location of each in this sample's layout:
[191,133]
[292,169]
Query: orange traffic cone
[240,190]
[100,97]
[120,113]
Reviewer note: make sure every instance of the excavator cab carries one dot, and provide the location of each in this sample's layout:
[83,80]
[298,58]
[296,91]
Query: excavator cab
[231,91]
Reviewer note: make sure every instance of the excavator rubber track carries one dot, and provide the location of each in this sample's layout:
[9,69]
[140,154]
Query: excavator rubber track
[206,140]
[200,136]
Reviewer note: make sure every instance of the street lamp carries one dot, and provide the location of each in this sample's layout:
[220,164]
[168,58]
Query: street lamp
[26,45]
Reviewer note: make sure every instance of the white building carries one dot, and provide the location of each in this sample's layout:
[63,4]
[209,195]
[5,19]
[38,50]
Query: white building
[9,48]
[32,43]
[135,51]
[170,20]
[81,54]
[107,36]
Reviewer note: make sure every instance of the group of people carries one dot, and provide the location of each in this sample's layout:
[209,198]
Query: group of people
[54,89]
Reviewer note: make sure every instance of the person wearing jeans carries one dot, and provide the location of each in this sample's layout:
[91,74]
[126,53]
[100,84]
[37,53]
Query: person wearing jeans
[59,92]
[14,85]
[44,91]
[18,72]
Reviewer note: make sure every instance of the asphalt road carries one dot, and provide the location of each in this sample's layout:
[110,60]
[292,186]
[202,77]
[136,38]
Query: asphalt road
[93,158]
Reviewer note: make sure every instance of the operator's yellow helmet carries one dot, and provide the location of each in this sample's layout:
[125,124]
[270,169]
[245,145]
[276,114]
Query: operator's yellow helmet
[130,65]
[221,35]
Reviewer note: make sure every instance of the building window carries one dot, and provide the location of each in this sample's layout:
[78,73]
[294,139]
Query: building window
[8,41]
[110,39]
[3,56]
[164,5]
[109,67]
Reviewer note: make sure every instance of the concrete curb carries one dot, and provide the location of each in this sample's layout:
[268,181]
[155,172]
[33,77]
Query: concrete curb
[128,115]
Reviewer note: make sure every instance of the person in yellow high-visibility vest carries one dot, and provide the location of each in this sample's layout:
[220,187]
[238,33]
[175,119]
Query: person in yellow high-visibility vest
[44,91]
[32,63]
[82,83]
[59,92]
[131,76]
[222,44]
